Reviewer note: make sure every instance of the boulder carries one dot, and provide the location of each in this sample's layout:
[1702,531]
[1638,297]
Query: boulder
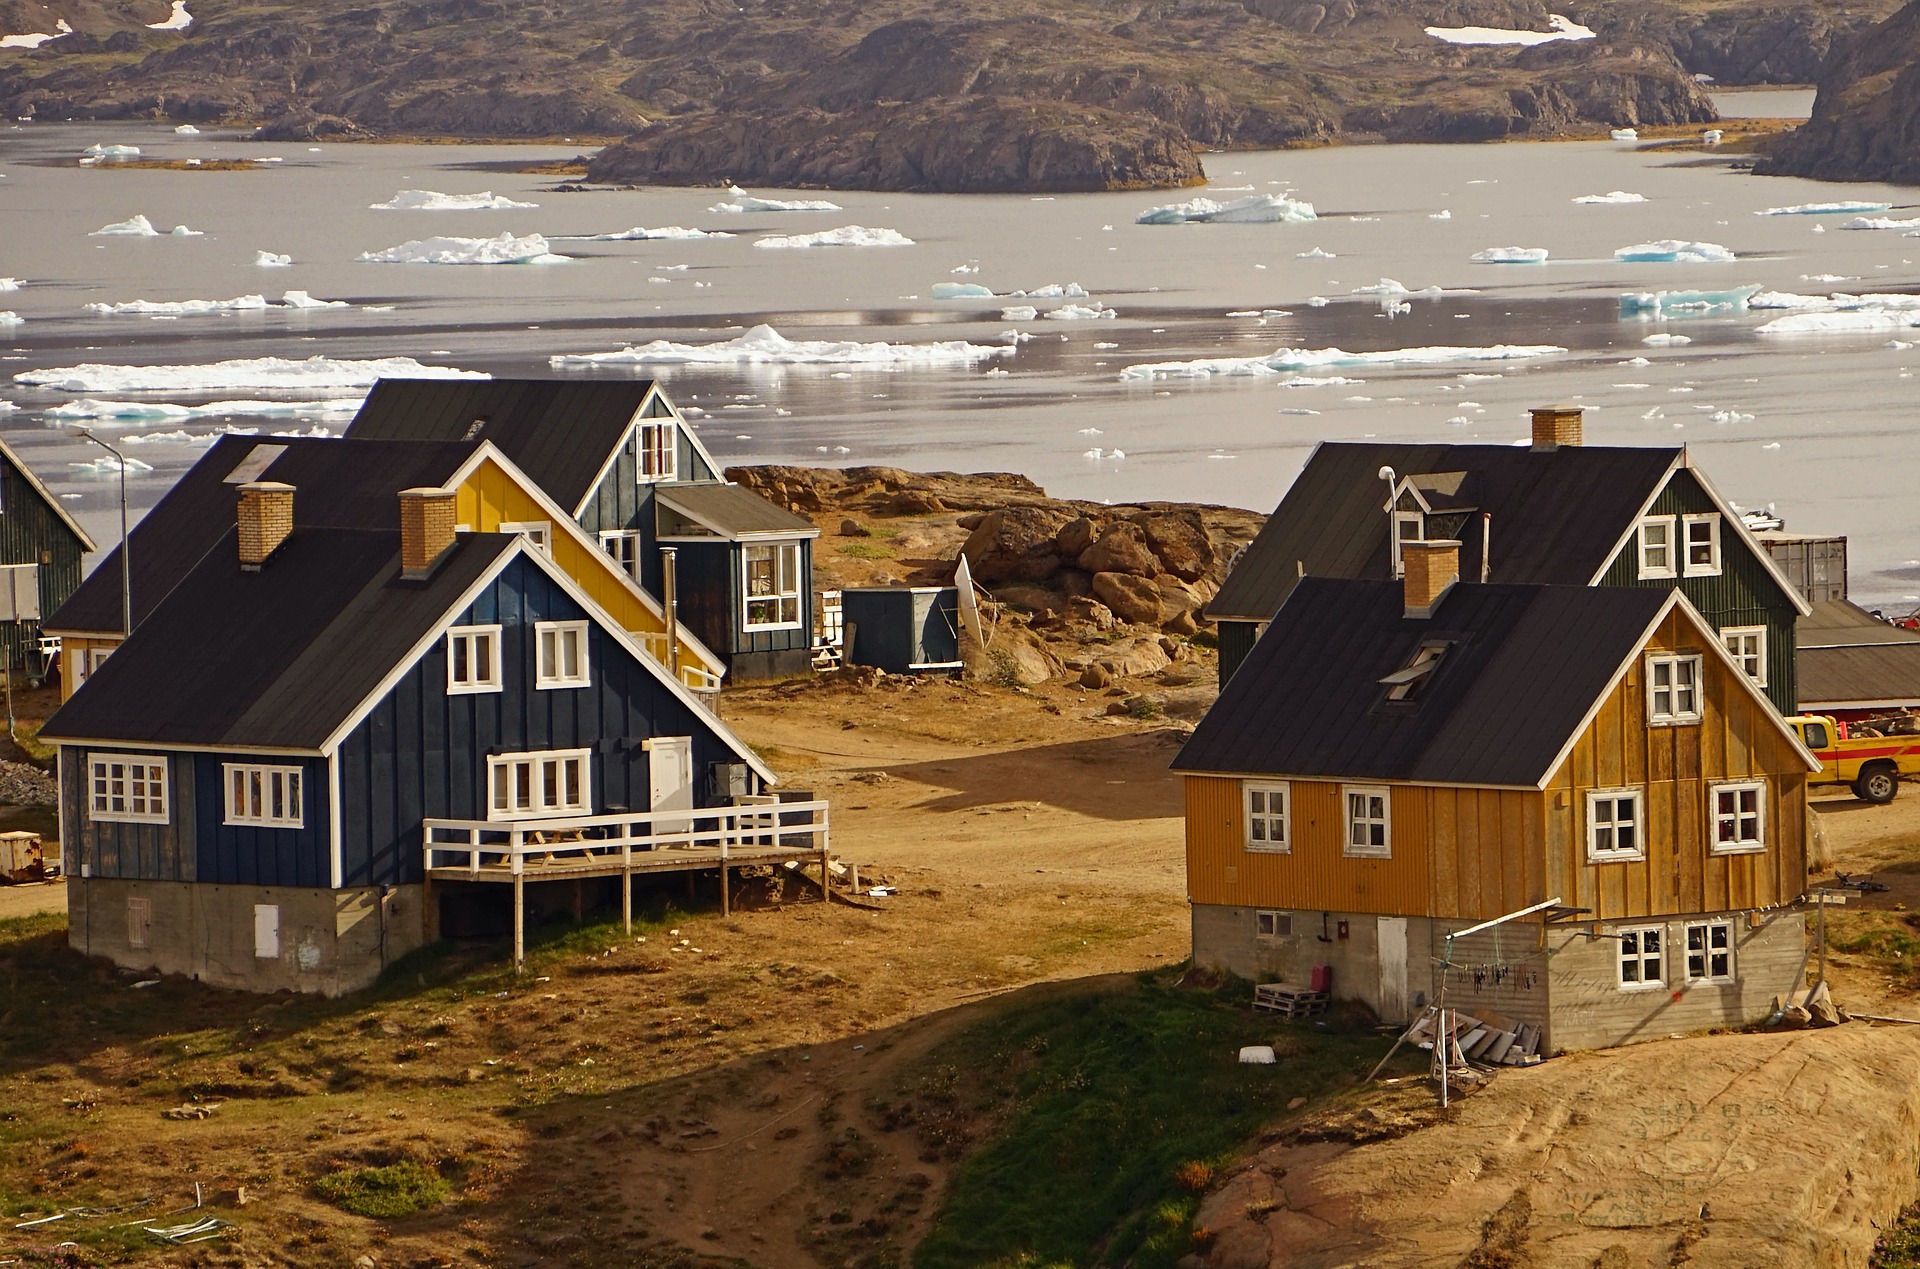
[1073,582]
[1122,548]
[1014,544]
[1018,655]
[851,529]
[914,502]
[1077,536]
[1132,658]
[1182,623]
[1133,599]
[1176,597]
[1087,611]
[1179,540]
[1096,676]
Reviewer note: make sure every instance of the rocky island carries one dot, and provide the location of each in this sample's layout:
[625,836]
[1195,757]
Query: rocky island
[1866,120]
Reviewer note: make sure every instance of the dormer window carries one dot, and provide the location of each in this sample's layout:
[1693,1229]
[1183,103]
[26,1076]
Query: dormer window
[656,450]
[1701,543]
[1657,548]
[1407,682]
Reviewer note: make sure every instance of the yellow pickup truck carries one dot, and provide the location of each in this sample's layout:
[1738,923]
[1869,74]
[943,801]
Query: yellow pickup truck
[1872,766]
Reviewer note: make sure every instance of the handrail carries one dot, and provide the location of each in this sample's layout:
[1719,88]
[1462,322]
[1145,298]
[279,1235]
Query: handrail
[708,831]
[694,676]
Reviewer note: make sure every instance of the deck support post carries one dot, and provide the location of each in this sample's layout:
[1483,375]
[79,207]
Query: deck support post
[826,891]
[519,920]
[626,888]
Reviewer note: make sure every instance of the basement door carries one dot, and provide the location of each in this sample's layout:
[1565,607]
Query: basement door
[1393,969]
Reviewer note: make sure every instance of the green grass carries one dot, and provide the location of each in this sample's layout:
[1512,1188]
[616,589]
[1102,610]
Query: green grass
[1899,1247]
[1114,1109]
[865,550]
[1891,938]
[398,1189]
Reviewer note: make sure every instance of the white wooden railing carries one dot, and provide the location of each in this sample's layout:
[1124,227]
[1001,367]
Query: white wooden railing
[636,841]
[692,673]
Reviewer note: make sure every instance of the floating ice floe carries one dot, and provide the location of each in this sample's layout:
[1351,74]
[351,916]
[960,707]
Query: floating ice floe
[201,308]
[269,260]
[1663,340]
[1711,136]
[186,130]
[745,202]
[135,227]
[1624,134]
[639,233]
[1287,359]
[1838,302]
[1854,321]
[1673,251]
[181,231]
[9,284]
[1443,214]
[1824,209]
[251,373]
[1051,291]
[504,249]
[1257,209]
[1881,222]
[1394,288]
[1079,313]
[845,236]
[1315,254]
[1019,313]
[109,466]
[961,291]
[763,345]
[178,20]
[1611,198]
[1511,255]
[111,153]
[1731,416]
[434,200]
[10,318]
[60,28]
[1558,28]
[1646,302]
[140,413]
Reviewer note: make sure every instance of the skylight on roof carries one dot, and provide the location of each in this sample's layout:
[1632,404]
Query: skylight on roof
[1406,683]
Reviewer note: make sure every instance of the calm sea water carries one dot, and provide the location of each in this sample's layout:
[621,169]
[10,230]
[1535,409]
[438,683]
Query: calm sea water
[1820,427]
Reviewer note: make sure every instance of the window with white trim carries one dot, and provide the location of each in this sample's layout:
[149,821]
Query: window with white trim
[1642,957]
[1615,819]
[1272,925]
[1655,543]
[82,662]
[1369,833]
[624,546]
[1266,806]
[655,450]
[529,785]
[1709,951]
[1408,526]
[560,651]
[264,796]
[771,579]
[473,659]
[1700,539]
[538,532]
[128,788]
[1747,645]
[1673,689]
[1739,816]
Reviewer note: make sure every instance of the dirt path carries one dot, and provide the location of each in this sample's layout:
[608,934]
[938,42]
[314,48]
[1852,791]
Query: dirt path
[32,898]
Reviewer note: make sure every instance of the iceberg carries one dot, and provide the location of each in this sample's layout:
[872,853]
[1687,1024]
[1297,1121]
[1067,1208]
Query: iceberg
[109,466]
[638,233]
[137,227]
[1824,209]
[1673,251]
[1712,136]
[1078,313]
[433,200]
[181,231]
[186,130]
[1256,209]
[1051,291]
[1838,302]
[1289,359]
[1510,255]
[1611,198]
[1667,341]
[1315,254]
[178,20]
[300,299]
[1656,302]
[201,308]
[1851,321]
[9,284]
[1558,28]
[268,260]
[1019,313]
[765,346]
[140,413]
[745,202]
[505,249]
[10,318]
[1881,222]
[845,236]
[960,291]
[112,153]
[1624,134]
[274,374]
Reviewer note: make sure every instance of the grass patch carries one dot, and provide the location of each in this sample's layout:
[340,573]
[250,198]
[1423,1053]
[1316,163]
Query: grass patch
[1113,1108]
[398,1189]
[865,550]
[1890,938]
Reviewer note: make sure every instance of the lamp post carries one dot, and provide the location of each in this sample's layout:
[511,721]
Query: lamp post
[126,568]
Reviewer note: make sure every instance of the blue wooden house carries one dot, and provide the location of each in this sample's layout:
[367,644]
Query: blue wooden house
[623,462]
[319,732]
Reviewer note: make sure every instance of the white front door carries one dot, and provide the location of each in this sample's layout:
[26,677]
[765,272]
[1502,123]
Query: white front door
[670,773]
[1393,969]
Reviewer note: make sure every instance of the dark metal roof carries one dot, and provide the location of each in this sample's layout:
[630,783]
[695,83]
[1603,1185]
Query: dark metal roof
[1836,623]
[277,658]
[1524,666]
[732,511]
[337,484]
[560,432]
[1557,515]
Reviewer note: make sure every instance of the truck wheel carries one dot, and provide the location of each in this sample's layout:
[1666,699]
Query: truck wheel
[1877,784]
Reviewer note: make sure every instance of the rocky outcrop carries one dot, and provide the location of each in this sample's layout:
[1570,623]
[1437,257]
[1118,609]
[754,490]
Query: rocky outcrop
[1866,119]
[1773,43]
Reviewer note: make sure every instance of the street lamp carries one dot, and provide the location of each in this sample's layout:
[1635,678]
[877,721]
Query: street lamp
[126,568]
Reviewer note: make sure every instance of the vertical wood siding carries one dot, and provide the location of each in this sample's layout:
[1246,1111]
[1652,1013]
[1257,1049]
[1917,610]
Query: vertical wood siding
[109,848]
[32,533]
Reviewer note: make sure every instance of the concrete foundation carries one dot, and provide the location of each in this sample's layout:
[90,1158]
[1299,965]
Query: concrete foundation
[255,938]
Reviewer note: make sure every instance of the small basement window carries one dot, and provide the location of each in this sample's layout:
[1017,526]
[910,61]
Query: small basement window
[1641,958]
[1709,951]
[1273,925]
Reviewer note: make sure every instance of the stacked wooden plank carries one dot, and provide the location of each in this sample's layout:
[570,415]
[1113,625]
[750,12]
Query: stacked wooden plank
[1485,1037]
[1289,1000]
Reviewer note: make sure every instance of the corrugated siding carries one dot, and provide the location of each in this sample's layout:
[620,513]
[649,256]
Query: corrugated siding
[1734,741]
[30,533]
[1744,594]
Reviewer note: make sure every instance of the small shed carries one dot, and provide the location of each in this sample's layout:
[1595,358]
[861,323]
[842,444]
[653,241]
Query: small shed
[902,629]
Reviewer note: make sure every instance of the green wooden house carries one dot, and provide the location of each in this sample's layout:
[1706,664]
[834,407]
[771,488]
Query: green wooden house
[41,549]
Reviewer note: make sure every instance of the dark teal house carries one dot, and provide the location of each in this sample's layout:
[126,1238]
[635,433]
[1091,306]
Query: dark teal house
[41,550]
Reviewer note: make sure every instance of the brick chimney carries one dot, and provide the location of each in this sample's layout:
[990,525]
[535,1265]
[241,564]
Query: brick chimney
[1430,568]
[265,520]
[1556,425]
[426,530]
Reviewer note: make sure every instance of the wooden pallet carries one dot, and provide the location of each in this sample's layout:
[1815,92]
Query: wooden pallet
[1289,1000]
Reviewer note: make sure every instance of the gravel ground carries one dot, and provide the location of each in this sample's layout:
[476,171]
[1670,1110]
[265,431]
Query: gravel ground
[23,784]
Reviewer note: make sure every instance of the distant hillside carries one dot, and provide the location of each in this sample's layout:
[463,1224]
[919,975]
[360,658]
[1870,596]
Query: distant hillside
[902,94]
[1866,120]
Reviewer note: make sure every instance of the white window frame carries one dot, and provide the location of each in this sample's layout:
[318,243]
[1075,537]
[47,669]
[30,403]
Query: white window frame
[538,532]
[1747,645]
[538,771]
[260,784]
[1267,923]
[1383,849]
[82,662]
[1703,956]
[143,790]
[1642,547]
[1268,832]
[1633,950]
[1737,818]
[779,597]
[1672,715]
[1603,835]
[468,636]
[623,545]
[549,677]
[656,449]
[1710,520]
[1401,518]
